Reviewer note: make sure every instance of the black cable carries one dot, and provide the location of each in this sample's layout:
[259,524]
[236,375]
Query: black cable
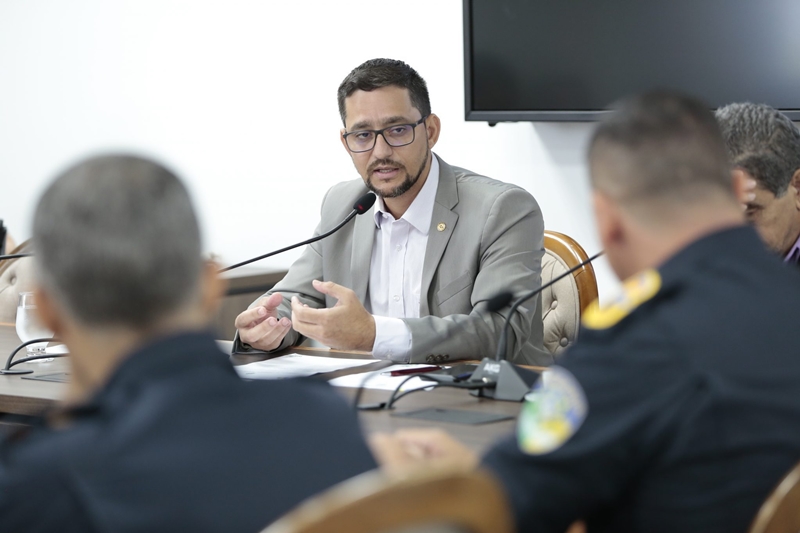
[393,398]
[362,386]
[10,361]
[360,390]
[14,256]
[406,393]
[37,357]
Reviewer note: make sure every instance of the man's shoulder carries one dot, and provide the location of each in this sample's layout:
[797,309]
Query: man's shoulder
[346,192]
[471,182]
[478,193]
[641,317]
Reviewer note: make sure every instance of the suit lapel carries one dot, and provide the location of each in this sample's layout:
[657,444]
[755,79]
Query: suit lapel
[438,235]
[363,238]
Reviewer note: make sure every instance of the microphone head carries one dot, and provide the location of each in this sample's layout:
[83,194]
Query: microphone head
[364,203]
[499,301]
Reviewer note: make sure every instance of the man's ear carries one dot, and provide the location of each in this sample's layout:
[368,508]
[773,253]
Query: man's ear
[794,185]
[608,217]
[48,312]
[433,127]
[212,288]
[344,142]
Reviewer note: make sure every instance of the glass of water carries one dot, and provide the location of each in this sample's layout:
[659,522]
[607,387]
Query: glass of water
[29,327]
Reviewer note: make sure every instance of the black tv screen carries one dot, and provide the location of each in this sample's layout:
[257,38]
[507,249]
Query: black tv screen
[570,59]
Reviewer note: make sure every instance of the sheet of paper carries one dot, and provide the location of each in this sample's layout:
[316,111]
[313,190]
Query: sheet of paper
[295,365]
[225,346]
[381,380]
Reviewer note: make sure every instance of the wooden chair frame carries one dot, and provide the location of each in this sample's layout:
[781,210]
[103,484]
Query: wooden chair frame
[373,502]
[780,513]
[573,254]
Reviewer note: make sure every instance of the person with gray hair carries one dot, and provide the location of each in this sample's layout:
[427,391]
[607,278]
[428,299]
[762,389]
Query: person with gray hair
[157,432]
[764,144]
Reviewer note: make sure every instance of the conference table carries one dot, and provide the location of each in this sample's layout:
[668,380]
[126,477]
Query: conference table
[21,396]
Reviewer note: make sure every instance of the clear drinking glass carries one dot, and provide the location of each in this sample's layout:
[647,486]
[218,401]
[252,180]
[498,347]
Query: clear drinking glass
[29,327]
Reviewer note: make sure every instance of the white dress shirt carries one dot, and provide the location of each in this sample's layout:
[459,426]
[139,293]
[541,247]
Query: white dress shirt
[395,274]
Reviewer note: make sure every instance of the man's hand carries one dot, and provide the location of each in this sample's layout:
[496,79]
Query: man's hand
[345,326]
[260,326]
[409,450]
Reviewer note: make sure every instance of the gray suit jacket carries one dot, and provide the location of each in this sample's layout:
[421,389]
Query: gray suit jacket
[492,241]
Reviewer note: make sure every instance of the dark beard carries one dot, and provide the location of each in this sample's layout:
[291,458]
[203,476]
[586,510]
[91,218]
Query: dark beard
[403,187]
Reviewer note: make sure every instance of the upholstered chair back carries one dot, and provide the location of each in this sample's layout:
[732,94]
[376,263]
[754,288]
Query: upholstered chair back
[563,303]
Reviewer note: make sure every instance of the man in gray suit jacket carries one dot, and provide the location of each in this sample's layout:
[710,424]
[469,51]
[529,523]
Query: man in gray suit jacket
[407,281]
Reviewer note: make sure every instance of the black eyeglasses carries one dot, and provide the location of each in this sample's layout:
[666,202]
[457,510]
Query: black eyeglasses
[397,135]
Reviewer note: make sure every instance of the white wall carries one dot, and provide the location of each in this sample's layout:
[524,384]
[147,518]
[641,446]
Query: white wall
[240,98]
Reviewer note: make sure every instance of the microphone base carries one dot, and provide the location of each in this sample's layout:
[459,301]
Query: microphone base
[512,382]
[15,372]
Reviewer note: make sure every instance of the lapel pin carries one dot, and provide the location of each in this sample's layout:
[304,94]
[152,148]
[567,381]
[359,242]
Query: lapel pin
[441,226]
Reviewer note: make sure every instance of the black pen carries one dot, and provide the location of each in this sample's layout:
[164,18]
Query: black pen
[409,371]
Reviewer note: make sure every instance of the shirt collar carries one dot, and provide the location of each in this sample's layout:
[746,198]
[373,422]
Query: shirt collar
[794,253]
[420,212]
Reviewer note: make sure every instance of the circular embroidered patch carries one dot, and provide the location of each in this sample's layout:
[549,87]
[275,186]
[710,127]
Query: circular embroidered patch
[552,413]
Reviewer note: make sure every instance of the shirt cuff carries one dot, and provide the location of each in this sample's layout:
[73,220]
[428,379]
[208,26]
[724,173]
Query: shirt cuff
[392,339]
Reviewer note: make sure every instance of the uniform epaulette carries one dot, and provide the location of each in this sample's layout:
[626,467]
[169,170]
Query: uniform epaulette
[635,291]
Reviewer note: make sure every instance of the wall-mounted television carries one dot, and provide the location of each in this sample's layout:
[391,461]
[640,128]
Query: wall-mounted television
[565,60]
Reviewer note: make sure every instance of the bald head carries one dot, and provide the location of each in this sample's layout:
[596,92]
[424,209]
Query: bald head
[661,180]
[659,153]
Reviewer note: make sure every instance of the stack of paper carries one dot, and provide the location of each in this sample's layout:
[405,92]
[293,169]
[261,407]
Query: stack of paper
[295,365]
[380,379]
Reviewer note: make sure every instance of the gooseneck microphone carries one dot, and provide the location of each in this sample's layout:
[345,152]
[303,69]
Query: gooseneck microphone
[361,206]
[511,382]
[14,256]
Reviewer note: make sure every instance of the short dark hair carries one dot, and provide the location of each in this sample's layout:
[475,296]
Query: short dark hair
[762,141]
[671,146]
[117,242]
[377,73]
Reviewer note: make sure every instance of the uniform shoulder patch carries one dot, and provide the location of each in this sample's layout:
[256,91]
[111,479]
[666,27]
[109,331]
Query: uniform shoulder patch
[635,291]
[552,413]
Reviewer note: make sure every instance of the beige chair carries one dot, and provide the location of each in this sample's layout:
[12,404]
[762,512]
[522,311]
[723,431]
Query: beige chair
[563,303]
[781,511]
[465,502]
[16,276]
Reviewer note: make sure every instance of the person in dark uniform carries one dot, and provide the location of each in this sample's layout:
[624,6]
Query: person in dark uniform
[678,408]
[157,433]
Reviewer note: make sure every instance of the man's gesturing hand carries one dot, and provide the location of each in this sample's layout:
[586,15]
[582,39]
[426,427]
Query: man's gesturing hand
[260,327]
[345,326]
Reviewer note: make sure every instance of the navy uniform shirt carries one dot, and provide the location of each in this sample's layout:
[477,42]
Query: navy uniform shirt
[679,408]
[176,441]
